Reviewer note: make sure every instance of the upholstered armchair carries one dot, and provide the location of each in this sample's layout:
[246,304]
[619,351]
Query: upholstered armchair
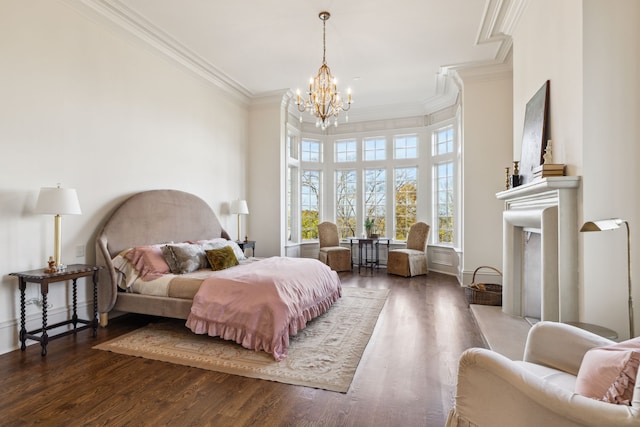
[493,390]
[412,260]
[331,253]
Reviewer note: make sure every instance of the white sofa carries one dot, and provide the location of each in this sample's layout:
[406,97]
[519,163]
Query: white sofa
[495,391]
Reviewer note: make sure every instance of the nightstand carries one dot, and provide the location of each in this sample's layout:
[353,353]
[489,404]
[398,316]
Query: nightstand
[72,272]
[248,244]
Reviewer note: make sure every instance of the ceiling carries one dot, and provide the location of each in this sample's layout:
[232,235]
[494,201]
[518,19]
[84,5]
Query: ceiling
[390,53]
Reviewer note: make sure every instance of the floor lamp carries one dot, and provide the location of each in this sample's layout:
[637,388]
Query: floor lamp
[614,224]
[239,207]
[58,201]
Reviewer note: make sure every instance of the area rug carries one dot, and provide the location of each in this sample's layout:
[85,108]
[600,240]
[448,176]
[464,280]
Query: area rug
[323,355]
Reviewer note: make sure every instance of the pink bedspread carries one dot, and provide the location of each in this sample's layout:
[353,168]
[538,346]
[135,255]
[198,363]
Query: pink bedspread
[260,304]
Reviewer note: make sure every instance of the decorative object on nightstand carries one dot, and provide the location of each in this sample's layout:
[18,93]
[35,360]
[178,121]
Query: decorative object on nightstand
[58,201]
[614,224]
[239,207]
[248,244]
[73,273]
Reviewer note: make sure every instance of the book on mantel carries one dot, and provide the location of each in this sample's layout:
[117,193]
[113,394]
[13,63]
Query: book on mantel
[548,169]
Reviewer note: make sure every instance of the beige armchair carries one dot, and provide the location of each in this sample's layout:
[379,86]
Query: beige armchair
[495,391]
[412,260]
[331,253]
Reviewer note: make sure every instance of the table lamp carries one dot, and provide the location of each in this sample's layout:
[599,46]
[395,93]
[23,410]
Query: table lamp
[239,207]
[58,201]
[614,224]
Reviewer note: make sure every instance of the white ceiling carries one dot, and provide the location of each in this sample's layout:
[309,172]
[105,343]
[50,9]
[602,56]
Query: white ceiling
[389,52]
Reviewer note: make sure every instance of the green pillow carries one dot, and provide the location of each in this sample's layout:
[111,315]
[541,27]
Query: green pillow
[222,258]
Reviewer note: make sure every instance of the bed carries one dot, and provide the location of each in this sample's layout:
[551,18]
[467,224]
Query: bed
[258,303]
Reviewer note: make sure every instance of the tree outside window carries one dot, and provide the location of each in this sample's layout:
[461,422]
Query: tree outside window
[445,211]
[375,199]
[346,199]
[406,205]
[310,203]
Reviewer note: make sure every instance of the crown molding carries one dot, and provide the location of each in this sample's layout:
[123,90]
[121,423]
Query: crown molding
[120,17]
[499,19]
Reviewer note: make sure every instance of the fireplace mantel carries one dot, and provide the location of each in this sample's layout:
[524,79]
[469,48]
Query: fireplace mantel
[547,206]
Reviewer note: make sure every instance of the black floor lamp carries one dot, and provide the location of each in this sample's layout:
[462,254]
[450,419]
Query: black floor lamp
[614,224]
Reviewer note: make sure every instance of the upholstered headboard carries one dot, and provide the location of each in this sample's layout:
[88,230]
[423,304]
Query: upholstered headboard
[147,218]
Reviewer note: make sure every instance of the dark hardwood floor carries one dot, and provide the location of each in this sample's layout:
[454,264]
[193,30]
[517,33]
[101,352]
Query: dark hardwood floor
[406,376]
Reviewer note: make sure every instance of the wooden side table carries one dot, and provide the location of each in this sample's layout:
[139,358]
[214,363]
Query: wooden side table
[369,260]
[246,245]
[73,272]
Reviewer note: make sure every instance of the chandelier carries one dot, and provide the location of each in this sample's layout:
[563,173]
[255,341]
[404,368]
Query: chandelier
[323,99]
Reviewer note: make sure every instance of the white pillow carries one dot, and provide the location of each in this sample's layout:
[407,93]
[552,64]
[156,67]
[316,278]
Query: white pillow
[221,243]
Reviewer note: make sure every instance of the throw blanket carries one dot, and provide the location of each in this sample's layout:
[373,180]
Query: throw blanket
[261,304]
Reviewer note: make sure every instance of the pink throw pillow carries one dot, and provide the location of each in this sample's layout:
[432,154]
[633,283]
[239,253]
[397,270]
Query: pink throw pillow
[149,261]
[609,373]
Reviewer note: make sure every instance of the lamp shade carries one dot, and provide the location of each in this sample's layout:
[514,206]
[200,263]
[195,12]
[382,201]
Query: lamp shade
[239,207]
[58,201]
[602,225]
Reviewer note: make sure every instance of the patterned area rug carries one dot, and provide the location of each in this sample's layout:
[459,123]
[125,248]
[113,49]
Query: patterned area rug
[323,355]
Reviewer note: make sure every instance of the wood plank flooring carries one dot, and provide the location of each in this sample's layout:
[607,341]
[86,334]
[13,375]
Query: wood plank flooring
[406,376]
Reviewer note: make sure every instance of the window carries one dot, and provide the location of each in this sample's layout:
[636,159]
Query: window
[393,177]
[310,151]
[374,149]
[406,203]
[289,204]
[444,200]
[444,185]
[375,199]
[292,187]
[346,199]
[310,203]
[346,151]
[406,147]
[443,141]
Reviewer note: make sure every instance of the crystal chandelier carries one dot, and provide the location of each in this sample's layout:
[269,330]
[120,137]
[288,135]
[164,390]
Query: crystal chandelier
[324,100]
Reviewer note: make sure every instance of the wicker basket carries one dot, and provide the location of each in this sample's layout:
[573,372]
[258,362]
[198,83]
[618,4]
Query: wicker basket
[490,295]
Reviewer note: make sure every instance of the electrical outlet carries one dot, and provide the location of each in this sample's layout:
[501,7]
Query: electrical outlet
[79,251]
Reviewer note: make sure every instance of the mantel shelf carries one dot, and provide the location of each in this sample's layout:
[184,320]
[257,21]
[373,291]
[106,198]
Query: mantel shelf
[540,186]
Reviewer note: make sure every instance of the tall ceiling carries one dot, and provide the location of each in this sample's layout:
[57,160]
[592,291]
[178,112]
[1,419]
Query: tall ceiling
[390,53]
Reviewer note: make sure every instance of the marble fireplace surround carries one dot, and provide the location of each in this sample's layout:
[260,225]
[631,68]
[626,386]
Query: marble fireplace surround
[547,206]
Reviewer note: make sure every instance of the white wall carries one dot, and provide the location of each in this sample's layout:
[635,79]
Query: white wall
[266,176]
[589,50]
[611,181]
[486,150]
[548,46]
[84,106]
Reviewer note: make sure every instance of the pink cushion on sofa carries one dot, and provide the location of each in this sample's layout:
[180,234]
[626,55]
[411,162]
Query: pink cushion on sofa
[609,373]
